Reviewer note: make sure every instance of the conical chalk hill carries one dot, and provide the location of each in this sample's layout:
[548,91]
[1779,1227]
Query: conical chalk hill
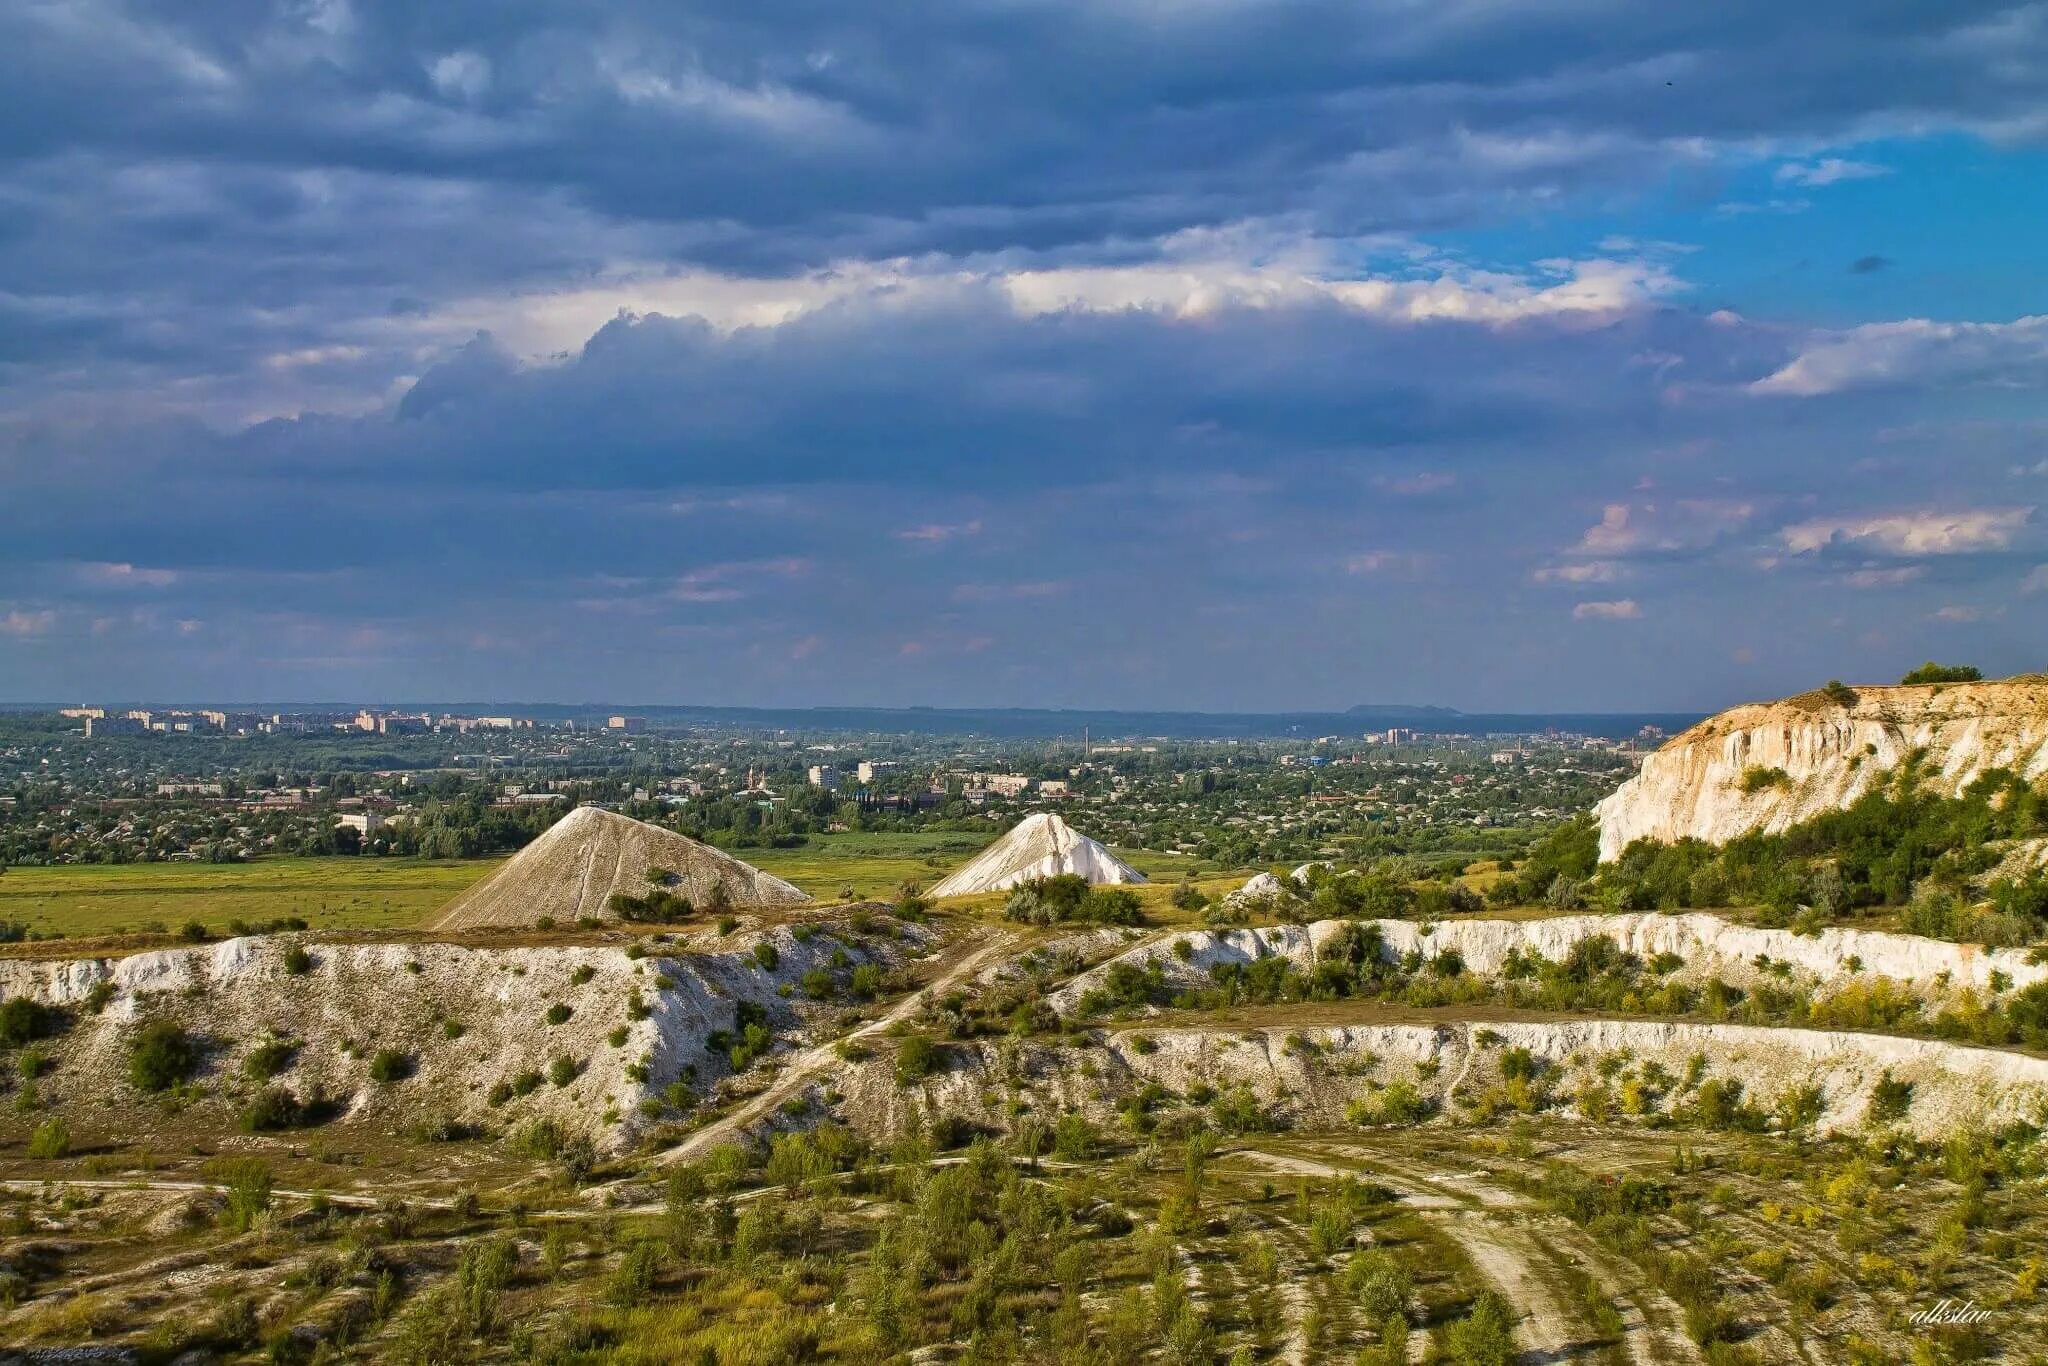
[1040,846]
[571,872]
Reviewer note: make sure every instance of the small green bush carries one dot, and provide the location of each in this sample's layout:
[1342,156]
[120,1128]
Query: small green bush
[161,1056]
[390,1065]
[559,1014]
[297,961]
[562,1070]
[274,1108]
[917,1057]
[51,1140]
[269,1058]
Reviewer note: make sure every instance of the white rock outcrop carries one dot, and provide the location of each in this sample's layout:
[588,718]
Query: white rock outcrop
[1720,779]
[1709,945]
[1262,889]
[466,1017]
[1038,846]
[1311,1074]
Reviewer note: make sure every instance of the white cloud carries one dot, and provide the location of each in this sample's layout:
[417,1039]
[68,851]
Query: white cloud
[2036,580]
[1911,533]
[1626,529]
[1958,614]
[123,575]
[1623,609]
[1408,563]
[1912,351]
[1192,279]
[721,582]
[938,533]
[1593,571]
[461,75]
[1826,171]
[20,623]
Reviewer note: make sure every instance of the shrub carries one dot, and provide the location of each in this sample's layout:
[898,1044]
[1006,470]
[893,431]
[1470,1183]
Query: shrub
[1930,672]
[161,1056]
[1757,778]
[390,1065]
[562,1070]
[248,1183]
[297,961]
[51,1140]
[866,981]
[917,1057]
[1484,1337]
[617,1038]
[1839,693]
[192,932]
[1890,1099]
[526,1083]
[766,956]
[817,984]
[1068,897]
[22,1020]
[452,1029]
[633,1278]
[559,1014]
[269,1058]
[33,1062]
[501,1091]
[274,1108]
[582,974]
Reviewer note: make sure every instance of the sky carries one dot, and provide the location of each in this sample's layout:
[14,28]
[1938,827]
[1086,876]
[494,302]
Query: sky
[1212,354]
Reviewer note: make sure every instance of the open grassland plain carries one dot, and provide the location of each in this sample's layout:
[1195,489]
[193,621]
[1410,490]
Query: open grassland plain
[83,900]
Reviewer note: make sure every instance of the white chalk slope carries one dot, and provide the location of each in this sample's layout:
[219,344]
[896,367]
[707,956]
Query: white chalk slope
[1041,846]
[1830,755]
[572,870]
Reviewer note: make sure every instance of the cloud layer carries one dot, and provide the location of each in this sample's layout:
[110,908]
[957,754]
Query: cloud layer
[1216,355]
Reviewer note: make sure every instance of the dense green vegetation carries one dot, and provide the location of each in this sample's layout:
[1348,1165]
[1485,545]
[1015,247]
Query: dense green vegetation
[1897,849]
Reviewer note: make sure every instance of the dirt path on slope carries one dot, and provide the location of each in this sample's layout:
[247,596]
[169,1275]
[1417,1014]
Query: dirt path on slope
[1495,1230]
[801,1069]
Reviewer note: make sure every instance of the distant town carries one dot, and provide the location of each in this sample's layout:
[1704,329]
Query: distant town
[91,784]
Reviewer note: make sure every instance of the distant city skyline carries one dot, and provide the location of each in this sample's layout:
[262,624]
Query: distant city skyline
[1235,357]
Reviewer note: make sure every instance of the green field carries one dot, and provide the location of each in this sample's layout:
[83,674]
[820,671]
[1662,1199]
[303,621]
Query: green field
[329,893]
[80,900]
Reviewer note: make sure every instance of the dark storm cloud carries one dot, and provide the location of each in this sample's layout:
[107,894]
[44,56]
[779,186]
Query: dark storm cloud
[1869,265]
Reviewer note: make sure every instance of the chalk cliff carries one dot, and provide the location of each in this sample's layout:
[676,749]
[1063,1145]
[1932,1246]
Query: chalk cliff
[1768,766]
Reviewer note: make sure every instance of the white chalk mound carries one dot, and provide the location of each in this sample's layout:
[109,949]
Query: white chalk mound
[572,870]
[1040,846]
[1263,889]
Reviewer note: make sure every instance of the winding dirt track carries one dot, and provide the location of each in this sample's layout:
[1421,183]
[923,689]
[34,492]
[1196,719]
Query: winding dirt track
[959,963]
[1498,1231]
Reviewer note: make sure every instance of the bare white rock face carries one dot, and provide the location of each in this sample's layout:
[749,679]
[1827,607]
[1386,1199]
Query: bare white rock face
[1040,846]
[1720,779]
[1709,947]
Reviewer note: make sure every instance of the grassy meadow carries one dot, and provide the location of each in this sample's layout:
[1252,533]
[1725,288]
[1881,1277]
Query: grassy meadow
[81,900]
[78,900]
